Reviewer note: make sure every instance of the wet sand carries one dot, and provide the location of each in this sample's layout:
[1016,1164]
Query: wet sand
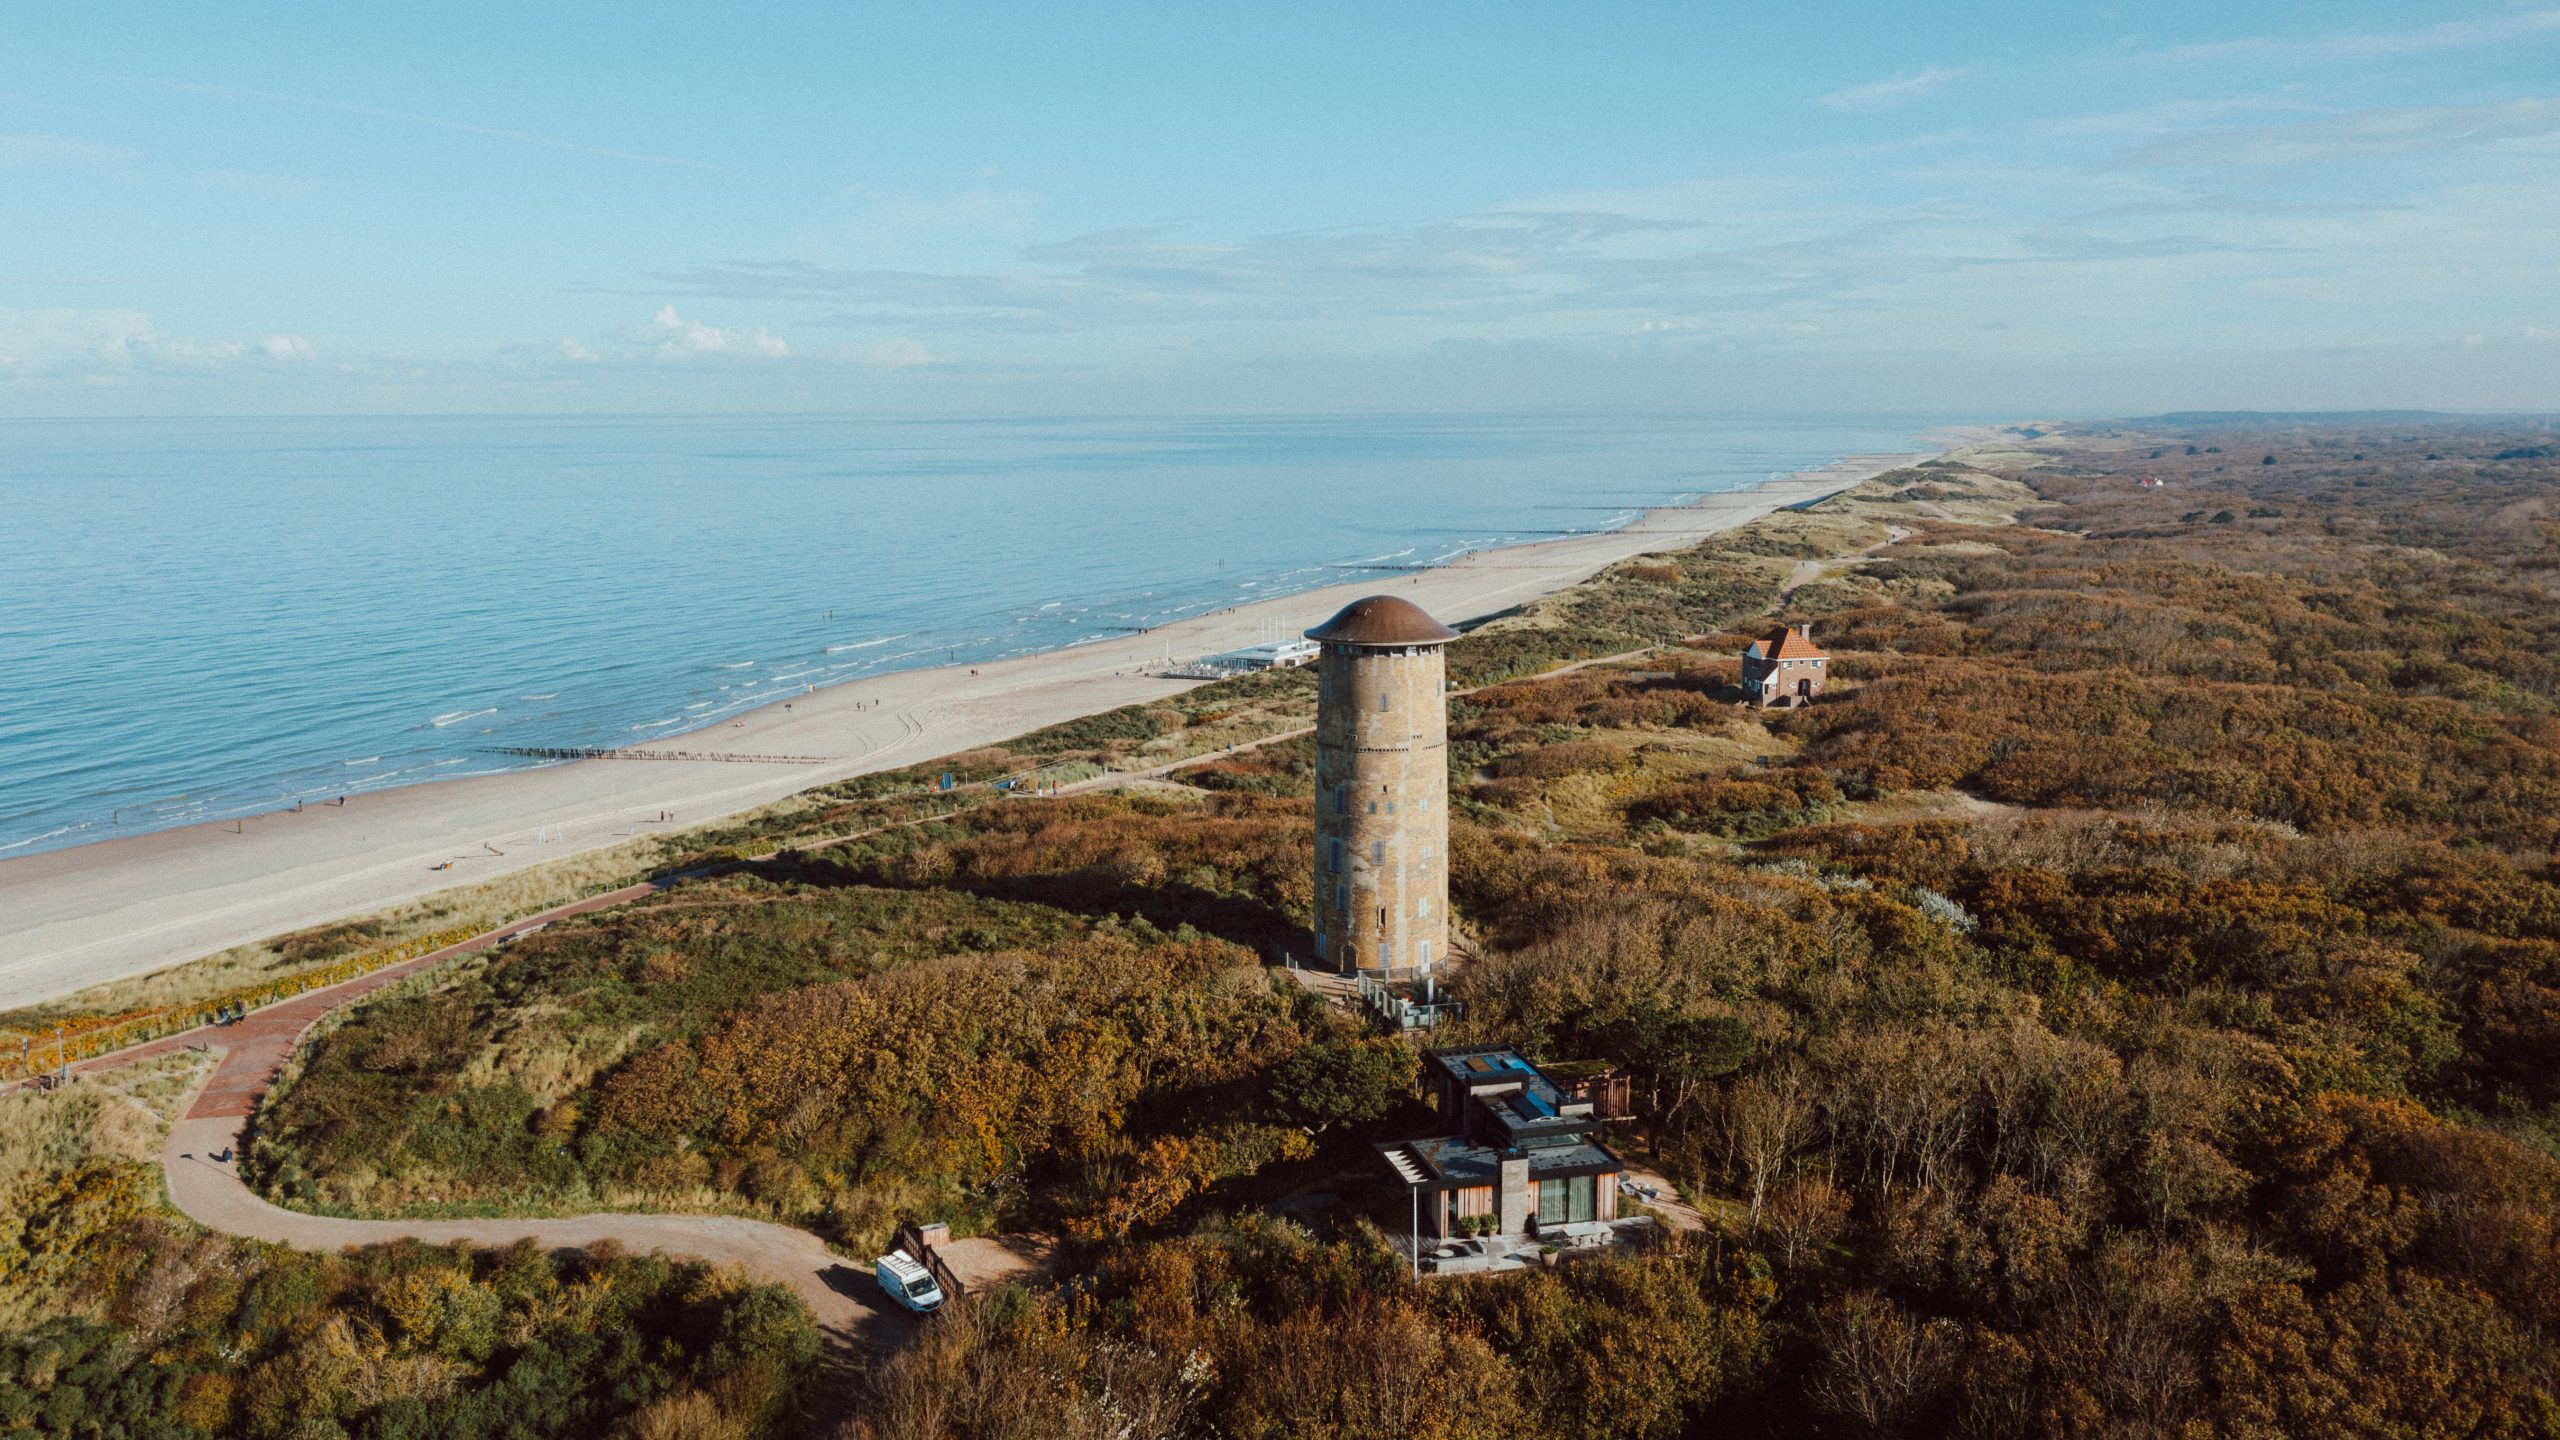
[74,918]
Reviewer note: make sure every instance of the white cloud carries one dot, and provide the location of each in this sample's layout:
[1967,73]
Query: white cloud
[2524,27]
[575,353]
[1898,91]
[2358,134]
[433,122]
[900,355]
[111,344]
[682,339]
[56,150]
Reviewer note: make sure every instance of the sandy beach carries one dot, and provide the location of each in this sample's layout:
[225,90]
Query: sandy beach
[74,918]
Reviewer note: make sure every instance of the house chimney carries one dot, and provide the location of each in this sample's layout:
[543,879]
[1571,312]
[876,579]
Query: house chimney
[1805,628]
[1513,1202]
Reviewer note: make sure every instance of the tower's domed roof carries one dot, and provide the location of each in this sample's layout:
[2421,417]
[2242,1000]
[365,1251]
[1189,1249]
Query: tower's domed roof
[1383,620]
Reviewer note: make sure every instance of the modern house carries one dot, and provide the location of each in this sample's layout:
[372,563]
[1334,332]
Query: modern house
[1522,1155]
[1784,668]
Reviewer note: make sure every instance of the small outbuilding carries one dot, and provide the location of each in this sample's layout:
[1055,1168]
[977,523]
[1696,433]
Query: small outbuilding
[1784,668]
[1271,655]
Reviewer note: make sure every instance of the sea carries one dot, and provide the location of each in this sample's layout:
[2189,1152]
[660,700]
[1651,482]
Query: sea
[204,618]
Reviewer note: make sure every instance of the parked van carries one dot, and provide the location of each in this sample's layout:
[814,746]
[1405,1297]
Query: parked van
[905,1280]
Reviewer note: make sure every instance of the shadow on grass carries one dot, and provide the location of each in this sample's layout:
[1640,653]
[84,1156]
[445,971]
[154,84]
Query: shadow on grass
[1255,924]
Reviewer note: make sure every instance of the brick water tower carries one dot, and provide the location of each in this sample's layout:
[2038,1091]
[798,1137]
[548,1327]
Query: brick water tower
[1382,788]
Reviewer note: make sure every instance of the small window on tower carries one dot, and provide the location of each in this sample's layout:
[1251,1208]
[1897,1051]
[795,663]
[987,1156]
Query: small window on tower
[1377,852]
[1382,704]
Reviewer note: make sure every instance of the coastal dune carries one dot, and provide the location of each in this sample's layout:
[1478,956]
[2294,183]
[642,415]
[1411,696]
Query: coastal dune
[75,918]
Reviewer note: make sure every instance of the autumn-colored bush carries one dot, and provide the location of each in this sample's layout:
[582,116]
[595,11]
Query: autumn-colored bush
[1553,762]
[1746,803]
[116,1319]
[1254,1328]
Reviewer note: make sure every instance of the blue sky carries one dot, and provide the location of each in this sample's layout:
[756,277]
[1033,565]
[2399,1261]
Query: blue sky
[1985,209]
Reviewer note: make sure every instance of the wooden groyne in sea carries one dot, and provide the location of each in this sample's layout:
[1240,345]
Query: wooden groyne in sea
[580,752]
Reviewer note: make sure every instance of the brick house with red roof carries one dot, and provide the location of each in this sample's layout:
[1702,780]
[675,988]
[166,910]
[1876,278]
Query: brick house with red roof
[1784,668]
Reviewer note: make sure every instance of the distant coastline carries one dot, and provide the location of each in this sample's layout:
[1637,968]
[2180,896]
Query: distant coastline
[87,914]
[621,583]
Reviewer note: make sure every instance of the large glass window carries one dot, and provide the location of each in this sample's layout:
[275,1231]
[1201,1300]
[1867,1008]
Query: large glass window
[1567,1202]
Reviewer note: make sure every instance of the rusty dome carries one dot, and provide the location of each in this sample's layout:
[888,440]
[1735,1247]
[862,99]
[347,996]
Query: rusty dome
[1383,620]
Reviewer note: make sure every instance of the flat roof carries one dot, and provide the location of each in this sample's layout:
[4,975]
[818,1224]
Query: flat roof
[1483,1064]
[1494,1066]
[1269,650]
[1456,1165]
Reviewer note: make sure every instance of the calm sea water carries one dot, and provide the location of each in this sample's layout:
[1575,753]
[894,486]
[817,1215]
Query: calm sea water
[204,618]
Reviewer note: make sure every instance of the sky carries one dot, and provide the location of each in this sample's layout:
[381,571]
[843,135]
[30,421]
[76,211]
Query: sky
[1991,210]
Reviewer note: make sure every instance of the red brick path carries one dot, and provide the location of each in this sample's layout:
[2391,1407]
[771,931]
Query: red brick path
[258,1045]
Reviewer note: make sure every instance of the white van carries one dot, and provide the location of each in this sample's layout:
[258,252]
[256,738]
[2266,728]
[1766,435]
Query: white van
[905,1280]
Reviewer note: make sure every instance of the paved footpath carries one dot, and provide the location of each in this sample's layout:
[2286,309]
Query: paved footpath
[255,1050]
[841,1294]
[209,1190]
